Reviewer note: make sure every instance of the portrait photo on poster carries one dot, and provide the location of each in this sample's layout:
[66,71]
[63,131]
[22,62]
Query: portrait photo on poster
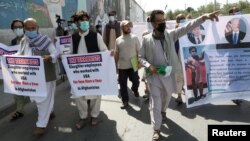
[235,32]
[197,35]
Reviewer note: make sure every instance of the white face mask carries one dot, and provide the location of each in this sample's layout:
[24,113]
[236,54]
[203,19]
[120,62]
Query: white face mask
[19,32]
[111,18]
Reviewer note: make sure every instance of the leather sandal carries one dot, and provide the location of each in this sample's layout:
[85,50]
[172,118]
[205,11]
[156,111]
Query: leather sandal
[156,135]
[16,116]
[81,123]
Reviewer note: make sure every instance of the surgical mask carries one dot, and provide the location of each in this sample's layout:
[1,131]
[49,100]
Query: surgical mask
[19,32]
[84,25]
[168,71]
[161,27]
[31,34]
[237,13]
[73,26]
[111,18]
[183,21]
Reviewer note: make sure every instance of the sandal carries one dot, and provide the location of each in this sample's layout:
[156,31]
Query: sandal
[94,121]
[81,123]
[16,116]
[156,135]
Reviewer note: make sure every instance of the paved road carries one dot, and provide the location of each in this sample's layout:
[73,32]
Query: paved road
[124,125]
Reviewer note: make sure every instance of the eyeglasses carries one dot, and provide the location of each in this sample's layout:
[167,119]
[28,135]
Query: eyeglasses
[194,51]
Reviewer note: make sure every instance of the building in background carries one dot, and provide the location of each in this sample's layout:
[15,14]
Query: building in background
[44,12]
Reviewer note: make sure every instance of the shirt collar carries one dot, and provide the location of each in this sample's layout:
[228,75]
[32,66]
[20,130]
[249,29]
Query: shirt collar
[84,33]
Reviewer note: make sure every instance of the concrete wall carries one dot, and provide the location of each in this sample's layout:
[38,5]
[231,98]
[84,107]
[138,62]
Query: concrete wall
[44,12]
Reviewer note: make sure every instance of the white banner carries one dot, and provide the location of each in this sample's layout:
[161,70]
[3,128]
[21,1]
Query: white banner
[63,43]
[24,75]
[91,74]
[6,50]
[215,62]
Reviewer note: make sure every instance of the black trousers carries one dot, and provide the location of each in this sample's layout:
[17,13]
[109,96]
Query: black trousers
[124,74]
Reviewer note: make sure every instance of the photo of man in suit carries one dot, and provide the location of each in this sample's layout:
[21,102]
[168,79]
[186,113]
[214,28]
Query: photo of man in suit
[235,35]
[196,36]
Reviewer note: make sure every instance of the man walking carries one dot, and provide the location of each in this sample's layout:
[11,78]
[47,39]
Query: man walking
[126,53]
[34,43]
[86,41]
[158,52]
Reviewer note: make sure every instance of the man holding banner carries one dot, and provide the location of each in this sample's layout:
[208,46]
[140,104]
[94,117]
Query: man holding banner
[86,41]
[35,44]
[158,55]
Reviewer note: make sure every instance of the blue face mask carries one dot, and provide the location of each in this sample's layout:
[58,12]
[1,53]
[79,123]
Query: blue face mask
[84,25]
[183,21]
[19,32]
[31,34]
[73,26]
[237,13]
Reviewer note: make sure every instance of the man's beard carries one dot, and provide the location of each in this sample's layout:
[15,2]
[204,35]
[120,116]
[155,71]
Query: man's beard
[126,32]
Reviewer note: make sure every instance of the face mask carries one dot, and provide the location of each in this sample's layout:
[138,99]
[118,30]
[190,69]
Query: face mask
[237,13]
[19,32]
[161,27]
[73,26]
[168,71]
[84,25]
[31,34]
[111,18]
[183,21]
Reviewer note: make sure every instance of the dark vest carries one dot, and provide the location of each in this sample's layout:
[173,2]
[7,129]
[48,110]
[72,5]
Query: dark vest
[90,40]
[49,67]
[107,29]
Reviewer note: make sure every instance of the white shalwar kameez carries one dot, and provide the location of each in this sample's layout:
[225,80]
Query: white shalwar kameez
[81,102]
[45,105]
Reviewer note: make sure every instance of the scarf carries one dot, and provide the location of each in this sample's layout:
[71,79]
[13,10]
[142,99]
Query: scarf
[41,42]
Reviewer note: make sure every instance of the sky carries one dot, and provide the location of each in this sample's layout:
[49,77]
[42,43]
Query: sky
[149,5]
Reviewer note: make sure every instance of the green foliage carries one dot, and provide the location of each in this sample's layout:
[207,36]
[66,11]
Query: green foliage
[244,6]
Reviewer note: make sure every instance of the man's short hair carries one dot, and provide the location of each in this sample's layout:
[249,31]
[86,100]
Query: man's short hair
[112,13]
[180,17]
[14,21]
[231,11]
[154,13]
[80,16]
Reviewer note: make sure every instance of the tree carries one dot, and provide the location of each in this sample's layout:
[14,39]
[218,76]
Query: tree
[189,9]
[170,15]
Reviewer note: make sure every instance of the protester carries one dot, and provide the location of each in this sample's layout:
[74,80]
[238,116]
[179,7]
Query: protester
[17,28]
[127,47]
[158,55]
[111,31]
[86,41]
[32,44]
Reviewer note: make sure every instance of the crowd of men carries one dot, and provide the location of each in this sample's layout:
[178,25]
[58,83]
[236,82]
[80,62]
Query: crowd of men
[158,50]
